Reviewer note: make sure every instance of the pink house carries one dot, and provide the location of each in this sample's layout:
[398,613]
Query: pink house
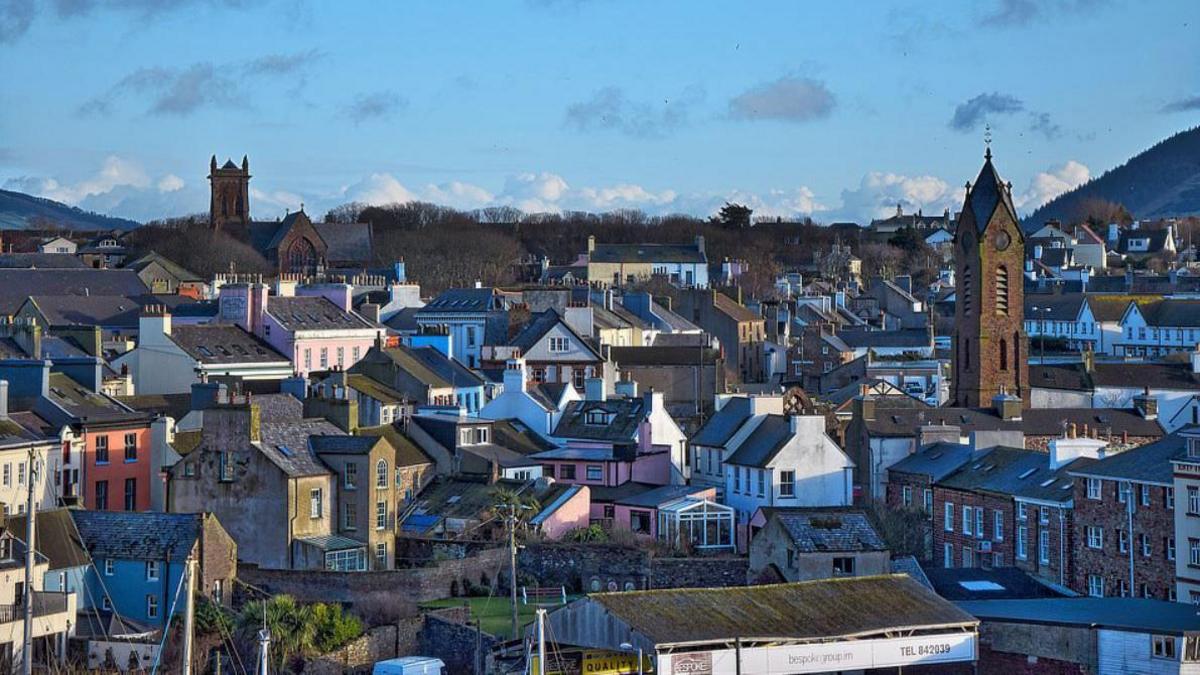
[567,509]
[315,326]
[635,506]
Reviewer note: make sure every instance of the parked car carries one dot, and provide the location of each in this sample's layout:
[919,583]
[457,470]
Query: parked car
[410,665]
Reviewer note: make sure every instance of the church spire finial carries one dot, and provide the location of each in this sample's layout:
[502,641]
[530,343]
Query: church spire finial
[987,141]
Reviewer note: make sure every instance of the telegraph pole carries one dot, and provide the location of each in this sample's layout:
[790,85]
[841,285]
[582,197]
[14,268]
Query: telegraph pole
[189,615]
[30,550]
[512,564]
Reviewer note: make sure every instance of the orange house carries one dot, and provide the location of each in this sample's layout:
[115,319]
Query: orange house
[117,466]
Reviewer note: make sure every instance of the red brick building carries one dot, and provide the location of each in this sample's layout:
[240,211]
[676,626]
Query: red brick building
[990,353]
[1135,485]
[1010,507]
[910,481]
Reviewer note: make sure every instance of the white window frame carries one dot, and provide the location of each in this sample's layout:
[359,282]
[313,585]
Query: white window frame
[1044,547]
[1095,584]
[787,484]
[1022,535]
[1095,489]
[316,503]
[152,571]
[1096,541]
[948,516]
[998,526]
[968,520]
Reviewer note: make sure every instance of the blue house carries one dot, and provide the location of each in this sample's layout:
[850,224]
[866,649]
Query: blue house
[138,561]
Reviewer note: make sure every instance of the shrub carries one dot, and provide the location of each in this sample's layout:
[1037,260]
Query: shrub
[333,628]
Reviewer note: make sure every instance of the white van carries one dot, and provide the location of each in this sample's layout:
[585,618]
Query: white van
[410,665]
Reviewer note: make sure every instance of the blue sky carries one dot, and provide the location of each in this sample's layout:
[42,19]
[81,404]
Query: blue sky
[834,110]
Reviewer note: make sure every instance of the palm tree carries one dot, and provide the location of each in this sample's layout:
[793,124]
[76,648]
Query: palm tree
[293,632]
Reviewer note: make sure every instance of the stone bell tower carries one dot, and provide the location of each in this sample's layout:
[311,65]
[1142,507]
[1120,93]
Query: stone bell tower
[230,204]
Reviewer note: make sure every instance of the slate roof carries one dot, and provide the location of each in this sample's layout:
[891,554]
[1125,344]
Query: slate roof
[449,370]
[312,313]
[404,321]
[341,444]
[663,355]
[823,609]
[1047,485]
[1062,306]
[55,538]
[936,460]
[21,427]
[1107,307]
[821,530]
[18,284]
[1155,375]
[332,542]
[1012,583]
[347,242]
[628,413]
[647,253]
[1016,472]
[133,535]
[989,191]
[719,428]
[432,368]
[171,405]
[45,261]
[1150,463]
[1172,312]
[660,495]
[540,324]
[547,394]
[904,422]
[80,403]
[515,436]
[173,268]
[223,344]
[1134,615]
[287,445]
[469,300]
[375,389]
[760,447]
[407,452]
[1055,257]
[734,309]
[1157,237]
[856,338]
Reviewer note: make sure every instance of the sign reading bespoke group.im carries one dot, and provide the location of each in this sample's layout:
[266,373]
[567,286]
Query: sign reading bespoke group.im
[823,657]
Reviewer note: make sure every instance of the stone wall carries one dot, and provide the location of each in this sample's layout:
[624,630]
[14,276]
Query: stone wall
[359,656]
[419,551]
[698,572]
[454,642]
[605,567]
[413,585]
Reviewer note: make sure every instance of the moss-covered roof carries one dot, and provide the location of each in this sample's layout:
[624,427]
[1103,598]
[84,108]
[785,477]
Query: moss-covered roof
[822,609]
[407,452]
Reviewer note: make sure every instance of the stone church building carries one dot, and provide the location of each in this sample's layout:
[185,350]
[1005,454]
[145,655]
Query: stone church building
[990,346]
[294,245]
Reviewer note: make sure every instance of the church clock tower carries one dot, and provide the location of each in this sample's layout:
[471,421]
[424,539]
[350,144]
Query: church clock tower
[990,345]
[230,204]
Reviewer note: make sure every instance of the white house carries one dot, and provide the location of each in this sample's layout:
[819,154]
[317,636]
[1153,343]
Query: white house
[735,418]
[539,407]
[168,359]
[58,245]
[1063,317]
[1158,328]
[472,317]
[787,461]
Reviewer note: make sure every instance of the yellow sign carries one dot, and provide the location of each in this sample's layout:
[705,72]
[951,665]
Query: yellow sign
[592,662]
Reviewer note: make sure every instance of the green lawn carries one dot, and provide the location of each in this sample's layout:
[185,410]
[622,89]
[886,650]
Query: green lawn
[494,613]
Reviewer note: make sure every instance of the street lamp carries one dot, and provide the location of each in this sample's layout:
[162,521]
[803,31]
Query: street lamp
[1044,311]
[627,647]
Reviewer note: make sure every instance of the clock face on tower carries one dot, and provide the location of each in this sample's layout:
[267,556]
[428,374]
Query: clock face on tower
[1002,240]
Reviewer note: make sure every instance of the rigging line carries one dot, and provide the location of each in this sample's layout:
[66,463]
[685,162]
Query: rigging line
[99,579]
[227,639]
[86,588]
[170,615]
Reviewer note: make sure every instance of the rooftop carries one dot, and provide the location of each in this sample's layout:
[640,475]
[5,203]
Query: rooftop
[1123,614]
[810,610]
[128,535]
[299,313]
[224,344]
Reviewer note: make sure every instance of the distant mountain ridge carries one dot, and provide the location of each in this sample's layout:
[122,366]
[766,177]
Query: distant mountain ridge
[1160,182]
[19,211]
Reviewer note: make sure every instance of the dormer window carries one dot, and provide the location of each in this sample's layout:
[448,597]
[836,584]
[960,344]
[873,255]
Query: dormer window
[559,345]
[598,417]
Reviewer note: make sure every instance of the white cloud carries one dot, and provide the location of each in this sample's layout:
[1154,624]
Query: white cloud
[458,195]
[114,172]
[170,183]
[379,188]
[879,192]
[1047,185]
